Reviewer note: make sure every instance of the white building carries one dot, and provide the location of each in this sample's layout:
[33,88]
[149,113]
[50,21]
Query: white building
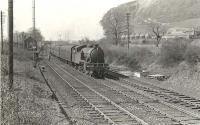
[179,32]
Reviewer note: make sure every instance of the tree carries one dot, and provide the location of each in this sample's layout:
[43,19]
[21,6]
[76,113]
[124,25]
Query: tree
[19,37]
[113,24]
[158,34]
[38,35]
[86,40]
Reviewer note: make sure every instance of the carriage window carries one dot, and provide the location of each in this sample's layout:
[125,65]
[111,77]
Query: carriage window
[74,51]
[82,55]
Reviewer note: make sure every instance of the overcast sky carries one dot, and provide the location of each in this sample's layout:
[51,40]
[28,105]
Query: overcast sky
[73,19]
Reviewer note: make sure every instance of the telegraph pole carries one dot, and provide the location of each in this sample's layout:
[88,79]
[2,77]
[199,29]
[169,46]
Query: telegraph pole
[10,41]
[128,34]
[1,32]
[34,36]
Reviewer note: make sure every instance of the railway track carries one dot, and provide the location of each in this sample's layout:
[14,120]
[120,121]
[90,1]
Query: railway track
[195,103]
[174,98]
[100,108]
[114,75]
[186,104]
[150,115]
[164,108]
[167,110]
[127,90]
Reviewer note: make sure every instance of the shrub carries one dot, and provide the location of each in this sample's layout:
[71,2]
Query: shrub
[131,59]
[22,54]
[192,54]
[172,52]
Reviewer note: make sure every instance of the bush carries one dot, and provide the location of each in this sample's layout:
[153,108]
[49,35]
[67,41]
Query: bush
[192,55]
[172,52]
[132,59]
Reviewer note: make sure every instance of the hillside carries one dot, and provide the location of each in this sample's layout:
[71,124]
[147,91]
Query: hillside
[170,13]
[176,58]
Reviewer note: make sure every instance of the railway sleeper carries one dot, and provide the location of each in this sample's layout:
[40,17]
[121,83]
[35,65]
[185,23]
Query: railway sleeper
[85,104]
[183,103]
[159,94]
[162,117]
[152,101]
[96,116]
[97,100]
[167,98]
[101,122]
[81,100]
[76,86]
[195,100]
[185,119]
[130,122]
[117,114]
[189,105]
[174,94]
[77,97]
[179,116]
[92,97]
[175,101]
[184,97]
[121,118]
[102,104]
[167,91]
[196,107]
[89,109]
[177,94]
[94,113]
[191,121]
[111,111]
[86,107]
[114,112]
[105,109]
[99,103]
[190,99]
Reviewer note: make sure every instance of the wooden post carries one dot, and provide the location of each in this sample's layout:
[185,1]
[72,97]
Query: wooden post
[128,34]
[1,32]
[10,41]
[17,38]
[34,34]
[59,51]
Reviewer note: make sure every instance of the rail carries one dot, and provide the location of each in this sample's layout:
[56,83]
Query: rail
[97,93]
[71,122]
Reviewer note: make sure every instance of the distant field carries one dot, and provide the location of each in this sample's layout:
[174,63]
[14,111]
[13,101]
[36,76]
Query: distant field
[150,47]
[187,23]
[143,28]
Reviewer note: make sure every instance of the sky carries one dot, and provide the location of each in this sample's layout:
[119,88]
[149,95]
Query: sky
[62,19]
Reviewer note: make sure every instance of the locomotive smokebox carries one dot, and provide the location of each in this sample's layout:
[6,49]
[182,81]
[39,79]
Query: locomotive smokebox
[97,55]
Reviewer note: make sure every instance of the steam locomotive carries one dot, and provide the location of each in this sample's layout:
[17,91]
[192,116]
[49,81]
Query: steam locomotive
[87,58]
